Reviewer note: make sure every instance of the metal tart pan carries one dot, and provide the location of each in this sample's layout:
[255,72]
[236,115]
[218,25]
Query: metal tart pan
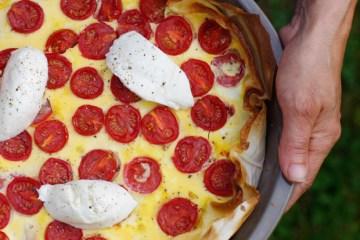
[274,189]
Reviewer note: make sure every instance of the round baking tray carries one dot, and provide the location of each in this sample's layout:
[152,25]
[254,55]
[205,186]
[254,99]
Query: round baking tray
[274,189]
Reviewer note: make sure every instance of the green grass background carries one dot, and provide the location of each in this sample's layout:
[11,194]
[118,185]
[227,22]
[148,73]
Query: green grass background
[331,209]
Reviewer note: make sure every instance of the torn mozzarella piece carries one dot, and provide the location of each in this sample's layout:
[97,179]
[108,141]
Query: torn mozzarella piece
[21,90]
[87,204]
[148,72]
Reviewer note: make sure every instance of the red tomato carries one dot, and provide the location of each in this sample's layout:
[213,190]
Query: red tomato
[60,70]
[3,236]
[219,178]
[55,171]
[78,9]
[121,92]
[213,38]
[4,212]
[122,123]
[209,113]
[191,153]
[4,57]
[229,68]
[95,40]
[25,16]
[99,164]
[109,10]
[17,148]
[87,83]
[174,35]
[142,175]
[88,120]
[44,113]
[51,136]
[177,216]
[61,40]
[160,126]
[133,20]
[22,193]
[154,10]
[94,238]
[200,76]
[61,231]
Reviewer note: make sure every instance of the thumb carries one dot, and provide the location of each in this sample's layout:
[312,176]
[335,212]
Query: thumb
[294,148]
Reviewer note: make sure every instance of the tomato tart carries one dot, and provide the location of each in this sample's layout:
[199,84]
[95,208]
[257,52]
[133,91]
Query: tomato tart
[193,169]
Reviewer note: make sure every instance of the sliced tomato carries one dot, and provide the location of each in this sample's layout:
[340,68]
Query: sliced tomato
[177,216]
[61,40]
[191,153]
[55,171]
[78,9]
[219,178]
[154,10]
[142,175]
[88,120]
[3,236]
[61,231]
[109,10]
[121,92]
[4,211]
[209,113]
[95,40]
[95,238]
[4,58]
[200,76]
[160,126]
[44,113]
[87,83]
[174,35]
[25,16]
[99,164]
[22,193]
[51,136]
[17,148]
[229,68]
[133,20]
[122,123]
[213,38]
[60,70]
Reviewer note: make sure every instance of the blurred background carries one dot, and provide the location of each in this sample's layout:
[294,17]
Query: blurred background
[331,209]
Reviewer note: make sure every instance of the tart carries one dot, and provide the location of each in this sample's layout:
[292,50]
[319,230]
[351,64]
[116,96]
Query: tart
[193,171]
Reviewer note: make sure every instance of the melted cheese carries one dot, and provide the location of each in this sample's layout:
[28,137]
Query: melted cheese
[141,225]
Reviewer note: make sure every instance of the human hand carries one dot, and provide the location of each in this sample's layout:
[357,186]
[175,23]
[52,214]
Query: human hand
[308,88]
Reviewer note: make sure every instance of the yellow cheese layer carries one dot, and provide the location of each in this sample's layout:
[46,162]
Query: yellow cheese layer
[142,222]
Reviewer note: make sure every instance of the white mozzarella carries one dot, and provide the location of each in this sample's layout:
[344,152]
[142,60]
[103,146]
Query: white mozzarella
[87,204]
[21,90]
[148,72]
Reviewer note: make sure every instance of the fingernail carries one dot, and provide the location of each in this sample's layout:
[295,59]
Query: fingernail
[297,172]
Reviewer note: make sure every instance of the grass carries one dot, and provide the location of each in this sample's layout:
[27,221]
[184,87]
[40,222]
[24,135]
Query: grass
[331,209]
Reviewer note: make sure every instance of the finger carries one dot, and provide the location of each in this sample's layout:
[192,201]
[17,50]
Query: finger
[315,161]
[299,190]
[318,151]
[294,147]
[288,32]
